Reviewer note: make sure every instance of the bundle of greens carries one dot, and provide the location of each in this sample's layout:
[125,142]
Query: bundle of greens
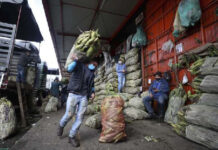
[176,102]
[88,42]
[195,67]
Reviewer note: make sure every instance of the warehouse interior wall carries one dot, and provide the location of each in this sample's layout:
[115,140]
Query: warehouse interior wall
[158,26]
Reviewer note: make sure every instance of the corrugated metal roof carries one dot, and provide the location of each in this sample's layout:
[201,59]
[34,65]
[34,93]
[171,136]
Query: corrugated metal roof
[67,18]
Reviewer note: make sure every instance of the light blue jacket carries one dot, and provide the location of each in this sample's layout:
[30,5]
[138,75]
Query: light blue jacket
[120,68]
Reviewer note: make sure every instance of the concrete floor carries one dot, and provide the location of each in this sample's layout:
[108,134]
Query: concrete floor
[42,136]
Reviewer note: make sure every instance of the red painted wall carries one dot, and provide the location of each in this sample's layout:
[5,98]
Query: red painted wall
[158,26]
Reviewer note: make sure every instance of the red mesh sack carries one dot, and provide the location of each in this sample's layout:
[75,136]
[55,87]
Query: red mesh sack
[113,124]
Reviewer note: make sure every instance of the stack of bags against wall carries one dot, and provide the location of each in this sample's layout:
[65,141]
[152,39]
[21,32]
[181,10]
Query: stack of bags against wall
[134,107]
[100,84]
[199,121]
[133,74]
[111,76]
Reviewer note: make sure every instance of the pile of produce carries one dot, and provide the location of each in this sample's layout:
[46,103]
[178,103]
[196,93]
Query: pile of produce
[86,46]
[198,121]
[177,100]
[7,118]
[113,124]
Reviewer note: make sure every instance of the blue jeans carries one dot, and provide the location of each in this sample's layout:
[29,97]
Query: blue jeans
[21,74]
[121,82]
[161,101]
[74,102]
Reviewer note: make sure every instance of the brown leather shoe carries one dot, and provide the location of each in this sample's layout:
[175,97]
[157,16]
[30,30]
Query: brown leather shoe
[60,131]
[74,142]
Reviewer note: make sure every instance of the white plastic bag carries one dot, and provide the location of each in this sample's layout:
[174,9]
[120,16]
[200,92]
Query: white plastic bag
[168,46]
[184,79]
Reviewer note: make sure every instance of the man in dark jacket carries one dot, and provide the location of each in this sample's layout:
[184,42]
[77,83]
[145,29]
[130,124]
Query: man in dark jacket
[81,88]
[158,90]
[24,60]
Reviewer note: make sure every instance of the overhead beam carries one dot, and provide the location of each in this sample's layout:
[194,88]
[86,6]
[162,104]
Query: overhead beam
[100,10]
[132,12]
[62,22]
[51,29]
[95,14]
[76,35]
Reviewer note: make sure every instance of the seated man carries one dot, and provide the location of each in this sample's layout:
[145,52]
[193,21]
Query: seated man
[158,90]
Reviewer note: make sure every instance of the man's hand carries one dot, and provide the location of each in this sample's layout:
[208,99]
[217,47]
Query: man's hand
[150,94]
[156,90]
[123,71]
[74,57]
[92,97]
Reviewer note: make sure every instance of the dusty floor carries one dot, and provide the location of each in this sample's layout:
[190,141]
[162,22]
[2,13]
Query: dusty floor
[42,136]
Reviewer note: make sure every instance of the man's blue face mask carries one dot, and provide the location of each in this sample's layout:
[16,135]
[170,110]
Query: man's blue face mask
[91,67]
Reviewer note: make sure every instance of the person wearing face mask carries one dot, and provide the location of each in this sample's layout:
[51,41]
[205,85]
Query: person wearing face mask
[80,88]
[121,70]
[158,90]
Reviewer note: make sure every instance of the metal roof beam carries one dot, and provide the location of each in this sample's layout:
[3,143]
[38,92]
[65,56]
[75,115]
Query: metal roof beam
[76,35]
[100,10]
[95,14]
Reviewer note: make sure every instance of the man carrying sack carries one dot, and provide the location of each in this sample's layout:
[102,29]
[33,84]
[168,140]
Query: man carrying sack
[81,88]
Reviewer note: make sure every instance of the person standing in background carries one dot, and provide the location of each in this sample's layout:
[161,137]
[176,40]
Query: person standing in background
[121,71]
[55,88]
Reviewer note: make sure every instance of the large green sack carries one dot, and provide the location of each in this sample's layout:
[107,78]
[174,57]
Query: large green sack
[126,96]
[133,83]
[136,102]
[112,75]
[132,68]
[133,60]
[134,75]
[139,38]
[176,102]
[131,90]
[209,84]
[134,113]
[94,121]
[7,118]
[91,109]
[131,53]
[189,12]
[202,115]
[101,92]
[210,66]
[208,99]
[51,105]
[203,136]
[100,87]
